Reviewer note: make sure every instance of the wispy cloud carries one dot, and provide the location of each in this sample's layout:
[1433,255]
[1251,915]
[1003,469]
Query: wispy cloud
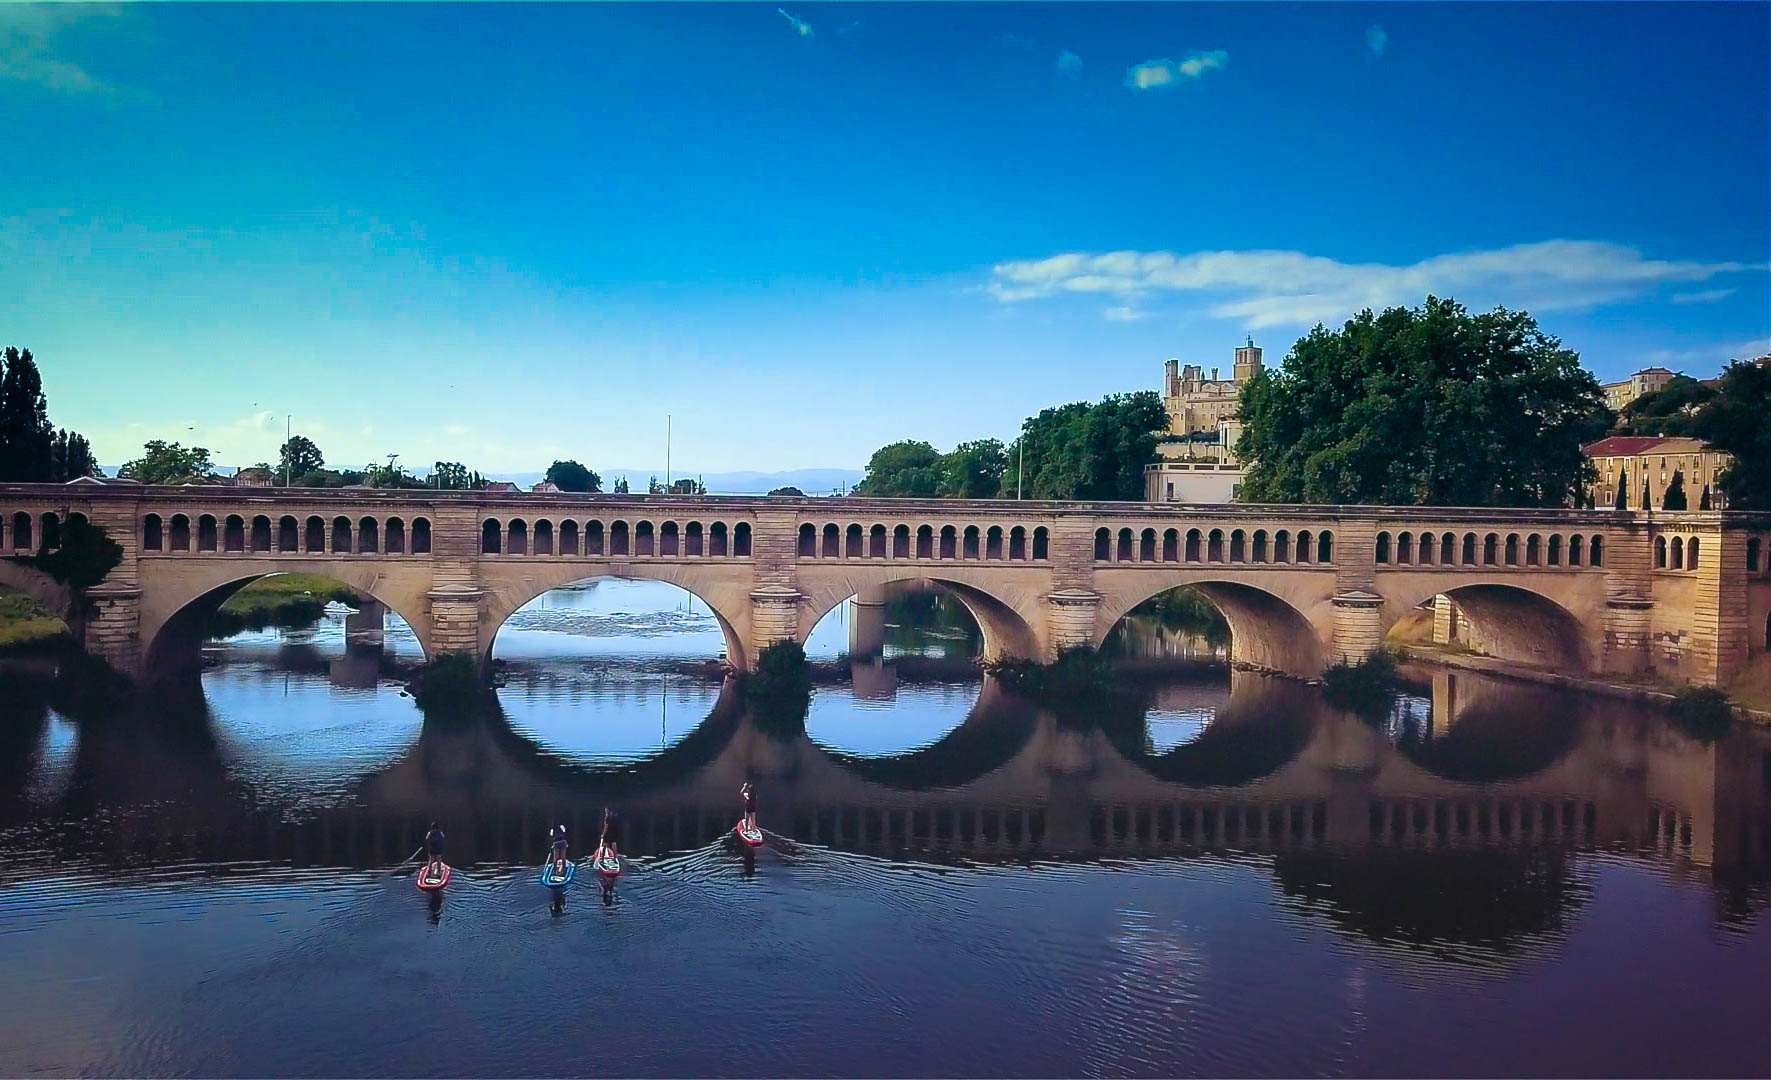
[30,51]
[1376,39]
[800,26]
[1126,313]
[1706,358]
[1069,64]
[1707,296]
[1283,288]
[1156,74]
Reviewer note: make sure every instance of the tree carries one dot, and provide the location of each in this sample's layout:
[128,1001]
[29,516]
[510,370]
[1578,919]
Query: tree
[25,433]
[299,457]
[571,476]
[451,476]
[1623,498]
[1674,496]
[974,470]
[391,475]
[1704,502]
[70,457]
[688,486]
[1671,410]
[1738,419]
[1647,498]
[907,469]
[1092,451]
[1423,406]
[164,462]
[793,491]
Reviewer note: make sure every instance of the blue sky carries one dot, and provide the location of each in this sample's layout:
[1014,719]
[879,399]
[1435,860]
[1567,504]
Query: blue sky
[507,233]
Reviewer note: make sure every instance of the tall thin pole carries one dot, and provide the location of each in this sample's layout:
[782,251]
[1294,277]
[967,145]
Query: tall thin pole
[1020,464]
[288,426]
[666,453]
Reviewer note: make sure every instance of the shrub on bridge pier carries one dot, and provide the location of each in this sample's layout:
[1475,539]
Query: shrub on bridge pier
[450,687]
[1703,712]
[780,688]
[1366,688]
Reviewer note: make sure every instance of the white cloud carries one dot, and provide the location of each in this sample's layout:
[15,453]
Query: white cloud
[1376,39]
[29,50]
[1126,313]
[1156,74]
[1707,296]
[1069,64]
[1289,288]
[800,26]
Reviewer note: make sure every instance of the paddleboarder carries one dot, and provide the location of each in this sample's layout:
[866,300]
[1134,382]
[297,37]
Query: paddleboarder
[559,850]
[749,795]
[611,841]
[433,851]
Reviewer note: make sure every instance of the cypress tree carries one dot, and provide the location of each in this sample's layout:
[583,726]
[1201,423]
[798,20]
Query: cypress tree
[1623,499]
[1703,503]
[1674,496]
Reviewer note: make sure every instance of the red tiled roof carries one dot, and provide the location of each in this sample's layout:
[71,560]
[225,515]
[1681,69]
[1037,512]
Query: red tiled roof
[1622,445]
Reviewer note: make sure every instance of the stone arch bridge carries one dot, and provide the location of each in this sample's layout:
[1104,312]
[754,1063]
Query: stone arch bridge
[1685,594]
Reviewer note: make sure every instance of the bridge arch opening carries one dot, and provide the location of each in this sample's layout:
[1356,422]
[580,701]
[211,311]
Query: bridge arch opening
[284,601]
[1002,632]
[1516,624]
[1217,619]
[605,617]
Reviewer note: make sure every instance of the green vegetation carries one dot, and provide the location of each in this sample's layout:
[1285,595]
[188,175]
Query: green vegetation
[1424,406]
[454,476]
[1186,609]
[1674,498]
[288,601]
[1702,712]
[1366,688]
[449,687]
[25,626]
[164,462]
[299,457]
[1078,673]
[85,554]
[32,450]
[779,690]
[571,476]
[793,491]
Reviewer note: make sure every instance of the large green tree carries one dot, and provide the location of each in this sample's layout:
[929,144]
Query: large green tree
[453,476]
[164,462]
[973,470]
[25,433]
[1738,419]
[904,469]
[571,476]
[1091,451]
[1423,406]
[299,457]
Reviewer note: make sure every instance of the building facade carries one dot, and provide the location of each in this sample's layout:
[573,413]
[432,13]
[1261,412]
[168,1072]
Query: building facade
[1196,404]
[1192,481]
[1630,461]
[1643,382]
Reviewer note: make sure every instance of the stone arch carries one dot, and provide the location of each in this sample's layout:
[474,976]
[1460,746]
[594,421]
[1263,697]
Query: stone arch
[1515,622]
[1266,631]
[726,596]
[172,622]
[1007,631]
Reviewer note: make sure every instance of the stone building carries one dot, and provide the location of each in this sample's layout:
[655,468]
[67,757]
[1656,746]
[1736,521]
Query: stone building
[1630,460]
[1642,383]
[1197,404]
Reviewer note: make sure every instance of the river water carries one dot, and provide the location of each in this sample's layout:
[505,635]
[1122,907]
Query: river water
[1208,874]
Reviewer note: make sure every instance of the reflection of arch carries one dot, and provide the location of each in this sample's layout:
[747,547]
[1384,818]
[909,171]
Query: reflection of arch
[1262,728]
[1265,630]
[175,640]
[1006,632]
[1509,731]
[992,734]
[725,597]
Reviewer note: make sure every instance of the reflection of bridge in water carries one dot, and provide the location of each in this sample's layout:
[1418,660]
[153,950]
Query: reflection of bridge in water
[1275,771]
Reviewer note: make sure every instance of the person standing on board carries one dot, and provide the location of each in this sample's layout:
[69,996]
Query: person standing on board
[749,795]
[559,850]
[433,851]
[611,841]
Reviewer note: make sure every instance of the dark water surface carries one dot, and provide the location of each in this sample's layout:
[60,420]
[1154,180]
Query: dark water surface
[1225,877]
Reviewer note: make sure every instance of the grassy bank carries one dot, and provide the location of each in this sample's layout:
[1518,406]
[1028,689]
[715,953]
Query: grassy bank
[25,626]
[285,600]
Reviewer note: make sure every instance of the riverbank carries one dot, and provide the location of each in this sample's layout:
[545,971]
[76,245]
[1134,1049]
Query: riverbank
[288,601]
[27,628]
[1751,706]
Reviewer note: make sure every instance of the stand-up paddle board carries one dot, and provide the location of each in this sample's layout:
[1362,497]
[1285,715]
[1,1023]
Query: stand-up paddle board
[609,866]
[752,836]
[430,882]
[553,878]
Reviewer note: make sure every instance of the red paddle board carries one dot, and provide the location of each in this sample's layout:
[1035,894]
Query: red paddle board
[609,866]
[753,837]
[429,883]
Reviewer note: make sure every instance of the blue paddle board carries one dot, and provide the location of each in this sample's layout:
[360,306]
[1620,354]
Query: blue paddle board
[552,879]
